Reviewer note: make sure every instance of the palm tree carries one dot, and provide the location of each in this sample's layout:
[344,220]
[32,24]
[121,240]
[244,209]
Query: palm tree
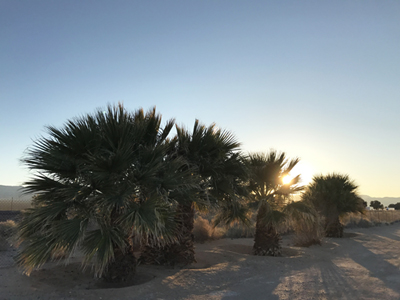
[333,195]
[218,169]
[102,182]
[271,196]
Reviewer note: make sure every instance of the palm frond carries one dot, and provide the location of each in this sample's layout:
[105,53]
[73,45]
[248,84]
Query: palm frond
[333,193]
[114,169]
[98,247]
[270,216]
[232,211]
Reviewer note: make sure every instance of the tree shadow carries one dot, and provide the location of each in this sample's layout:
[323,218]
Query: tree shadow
[375,259]
[393,234]
[240,274]
[227,270]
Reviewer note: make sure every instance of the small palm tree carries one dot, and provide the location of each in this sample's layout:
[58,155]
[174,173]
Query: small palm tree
[218,169]
[333,195]
[270,195]
[102,182]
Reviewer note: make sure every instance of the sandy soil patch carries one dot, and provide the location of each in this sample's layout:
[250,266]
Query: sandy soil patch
[362,265]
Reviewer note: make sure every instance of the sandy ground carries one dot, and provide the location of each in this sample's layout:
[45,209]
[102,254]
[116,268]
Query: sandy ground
[362,265]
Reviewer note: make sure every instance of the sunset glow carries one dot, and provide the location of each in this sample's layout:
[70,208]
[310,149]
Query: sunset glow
[306,172]
[287,179]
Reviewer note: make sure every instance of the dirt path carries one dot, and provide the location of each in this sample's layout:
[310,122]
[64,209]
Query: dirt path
[363,265]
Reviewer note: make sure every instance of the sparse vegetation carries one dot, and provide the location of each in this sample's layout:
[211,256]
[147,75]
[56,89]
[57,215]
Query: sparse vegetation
[306,223]
[203,231]
[237,231]
[371,218]
[7,232]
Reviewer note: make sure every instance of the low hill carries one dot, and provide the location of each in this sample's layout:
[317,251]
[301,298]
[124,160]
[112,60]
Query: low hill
[13,192]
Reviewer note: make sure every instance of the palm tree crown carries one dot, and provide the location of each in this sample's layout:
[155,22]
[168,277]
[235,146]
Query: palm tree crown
[100,181]
[333,195]
[267,172]
[217,167]
[271,196]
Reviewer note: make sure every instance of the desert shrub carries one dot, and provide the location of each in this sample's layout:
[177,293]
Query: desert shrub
[218,233]
[370,218]
[237,231]
[382,216]
[286,228]
[361,223]
[203,231]
[307,233]
[308,237]
[7,231]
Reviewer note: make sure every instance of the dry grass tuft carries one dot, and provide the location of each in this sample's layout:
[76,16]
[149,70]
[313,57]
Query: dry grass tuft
[237,231]
[307,233]
[371,218]
[203,231]
[7,229]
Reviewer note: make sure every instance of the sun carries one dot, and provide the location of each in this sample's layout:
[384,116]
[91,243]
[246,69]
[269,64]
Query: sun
[306,172]
[286,179]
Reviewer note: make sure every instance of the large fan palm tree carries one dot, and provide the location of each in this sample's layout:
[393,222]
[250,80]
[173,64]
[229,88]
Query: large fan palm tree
[101,182]
[271,197]
[333,195]
[213,155]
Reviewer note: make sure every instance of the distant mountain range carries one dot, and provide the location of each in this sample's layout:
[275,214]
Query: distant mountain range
[8,192]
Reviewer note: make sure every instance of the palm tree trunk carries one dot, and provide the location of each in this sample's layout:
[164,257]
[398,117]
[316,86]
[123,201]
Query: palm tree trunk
[122,269]
[180,252]
[267,239]
[333,227]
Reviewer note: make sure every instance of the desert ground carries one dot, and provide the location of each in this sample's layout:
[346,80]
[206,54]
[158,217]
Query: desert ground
[362,265]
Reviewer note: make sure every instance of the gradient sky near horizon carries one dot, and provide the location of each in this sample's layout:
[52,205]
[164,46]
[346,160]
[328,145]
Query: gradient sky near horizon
[319,80]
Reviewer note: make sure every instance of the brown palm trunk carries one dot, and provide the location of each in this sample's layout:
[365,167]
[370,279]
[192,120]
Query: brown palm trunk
[122,269]
[333,227]
[267,239]
[180,252]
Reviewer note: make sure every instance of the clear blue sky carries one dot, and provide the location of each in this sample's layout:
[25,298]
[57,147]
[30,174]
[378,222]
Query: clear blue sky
[317,79]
